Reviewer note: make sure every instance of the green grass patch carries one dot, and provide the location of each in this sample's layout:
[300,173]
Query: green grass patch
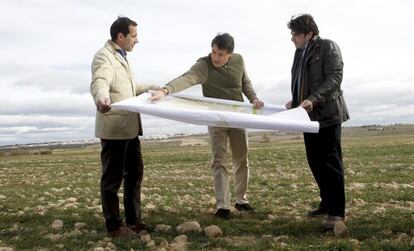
[37,189]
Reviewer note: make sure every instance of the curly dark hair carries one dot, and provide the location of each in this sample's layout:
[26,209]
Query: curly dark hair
[224,42]
[303,23]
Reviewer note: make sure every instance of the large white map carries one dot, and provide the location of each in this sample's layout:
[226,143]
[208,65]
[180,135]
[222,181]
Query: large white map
[219,112]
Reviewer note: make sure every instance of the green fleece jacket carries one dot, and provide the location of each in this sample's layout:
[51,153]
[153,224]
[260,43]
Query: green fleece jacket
[227,82]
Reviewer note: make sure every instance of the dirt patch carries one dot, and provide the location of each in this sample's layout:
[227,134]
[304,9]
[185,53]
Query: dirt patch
[194,141]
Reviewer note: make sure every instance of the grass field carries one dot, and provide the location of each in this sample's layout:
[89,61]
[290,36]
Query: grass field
[37,190]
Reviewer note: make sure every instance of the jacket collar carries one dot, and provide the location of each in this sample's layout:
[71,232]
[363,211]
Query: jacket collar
[313,43]
[113,47]
[231,61]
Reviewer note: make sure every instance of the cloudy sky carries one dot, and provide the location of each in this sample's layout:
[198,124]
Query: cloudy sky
[47,46]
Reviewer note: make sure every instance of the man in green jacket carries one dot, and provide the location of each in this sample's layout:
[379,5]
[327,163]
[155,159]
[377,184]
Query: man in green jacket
[222,75]
[316,86]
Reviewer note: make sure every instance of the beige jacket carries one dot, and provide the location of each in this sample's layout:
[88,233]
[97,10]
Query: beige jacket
[112,77]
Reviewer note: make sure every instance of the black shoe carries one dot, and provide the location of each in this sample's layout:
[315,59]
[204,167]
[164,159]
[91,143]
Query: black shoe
[244,207]
[223,214]
[317,212]
[122,232]
[138,227]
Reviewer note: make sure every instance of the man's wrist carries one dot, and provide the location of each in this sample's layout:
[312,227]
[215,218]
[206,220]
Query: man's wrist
[165,91]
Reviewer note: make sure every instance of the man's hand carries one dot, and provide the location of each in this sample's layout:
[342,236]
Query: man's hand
[158,94]
[257,104]
[288,105]
[307,105]
[103,105]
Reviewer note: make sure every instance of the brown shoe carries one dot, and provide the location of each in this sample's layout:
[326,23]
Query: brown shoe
[138,227]
[122,232]
[329,223]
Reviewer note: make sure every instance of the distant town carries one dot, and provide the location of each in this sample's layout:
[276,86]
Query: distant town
[86,142]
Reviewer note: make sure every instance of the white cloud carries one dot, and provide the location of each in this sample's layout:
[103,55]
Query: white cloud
[54,104]
[41,128]
[47,47]
[60,81]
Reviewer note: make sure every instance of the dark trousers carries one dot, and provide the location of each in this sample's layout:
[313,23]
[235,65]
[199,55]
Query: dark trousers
[121,160]
[324,155]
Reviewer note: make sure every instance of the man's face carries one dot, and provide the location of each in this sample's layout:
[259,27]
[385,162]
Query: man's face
[219,57]
[301,39]
[127,43]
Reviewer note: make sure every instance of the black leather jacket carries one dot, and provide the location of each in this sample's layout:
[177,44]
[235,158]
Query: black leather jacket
[321,82]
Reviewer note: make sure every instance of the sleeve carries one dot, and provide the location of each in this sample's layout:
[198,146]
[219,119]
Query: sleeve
[102,77]
[141,88]
[332,71]
[247,87]
[197,74]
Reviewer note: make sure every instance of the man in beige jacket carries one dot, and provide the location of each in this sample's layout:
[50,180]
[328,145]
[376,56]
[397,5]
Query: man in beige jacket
[113,81]
[222,75]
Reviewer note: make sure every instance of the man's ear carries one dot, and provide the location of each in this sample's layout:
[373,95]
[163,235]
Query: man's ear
[309,35]
[120,36]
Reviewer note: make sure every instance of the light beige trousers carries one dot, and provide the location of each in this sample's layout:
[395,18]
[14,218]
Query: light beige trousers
[239,149]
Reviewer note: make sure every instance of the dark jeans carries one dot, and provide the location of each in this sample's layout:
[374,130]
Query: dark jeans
[121,160]
[324,155]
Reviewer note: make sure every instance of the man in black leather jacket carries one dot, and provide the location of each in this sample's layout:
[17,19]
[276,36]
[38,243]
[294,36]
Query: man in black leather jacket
[316,86]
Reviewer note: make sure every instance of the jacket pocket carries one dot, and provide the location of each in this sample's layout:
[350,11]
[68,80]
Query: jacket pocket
[327,110]
[343,108]
[115,123]
[314,59]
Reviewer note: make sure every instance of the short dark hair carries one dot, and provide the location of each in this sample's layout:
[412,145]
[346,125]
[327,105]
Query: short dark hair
[224,42]
[303,23]
[121,25]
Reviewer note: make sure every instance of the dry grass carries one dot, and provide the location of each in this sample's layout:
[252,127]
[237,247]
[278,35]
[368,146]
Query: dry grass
[36,190]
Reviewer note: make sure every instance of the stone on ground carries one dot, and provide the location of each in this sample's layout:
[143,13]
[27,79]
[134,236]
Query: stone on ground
[162,228]
[57,225]
[191,226]
[181,239]
[340,229]
[213,231]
